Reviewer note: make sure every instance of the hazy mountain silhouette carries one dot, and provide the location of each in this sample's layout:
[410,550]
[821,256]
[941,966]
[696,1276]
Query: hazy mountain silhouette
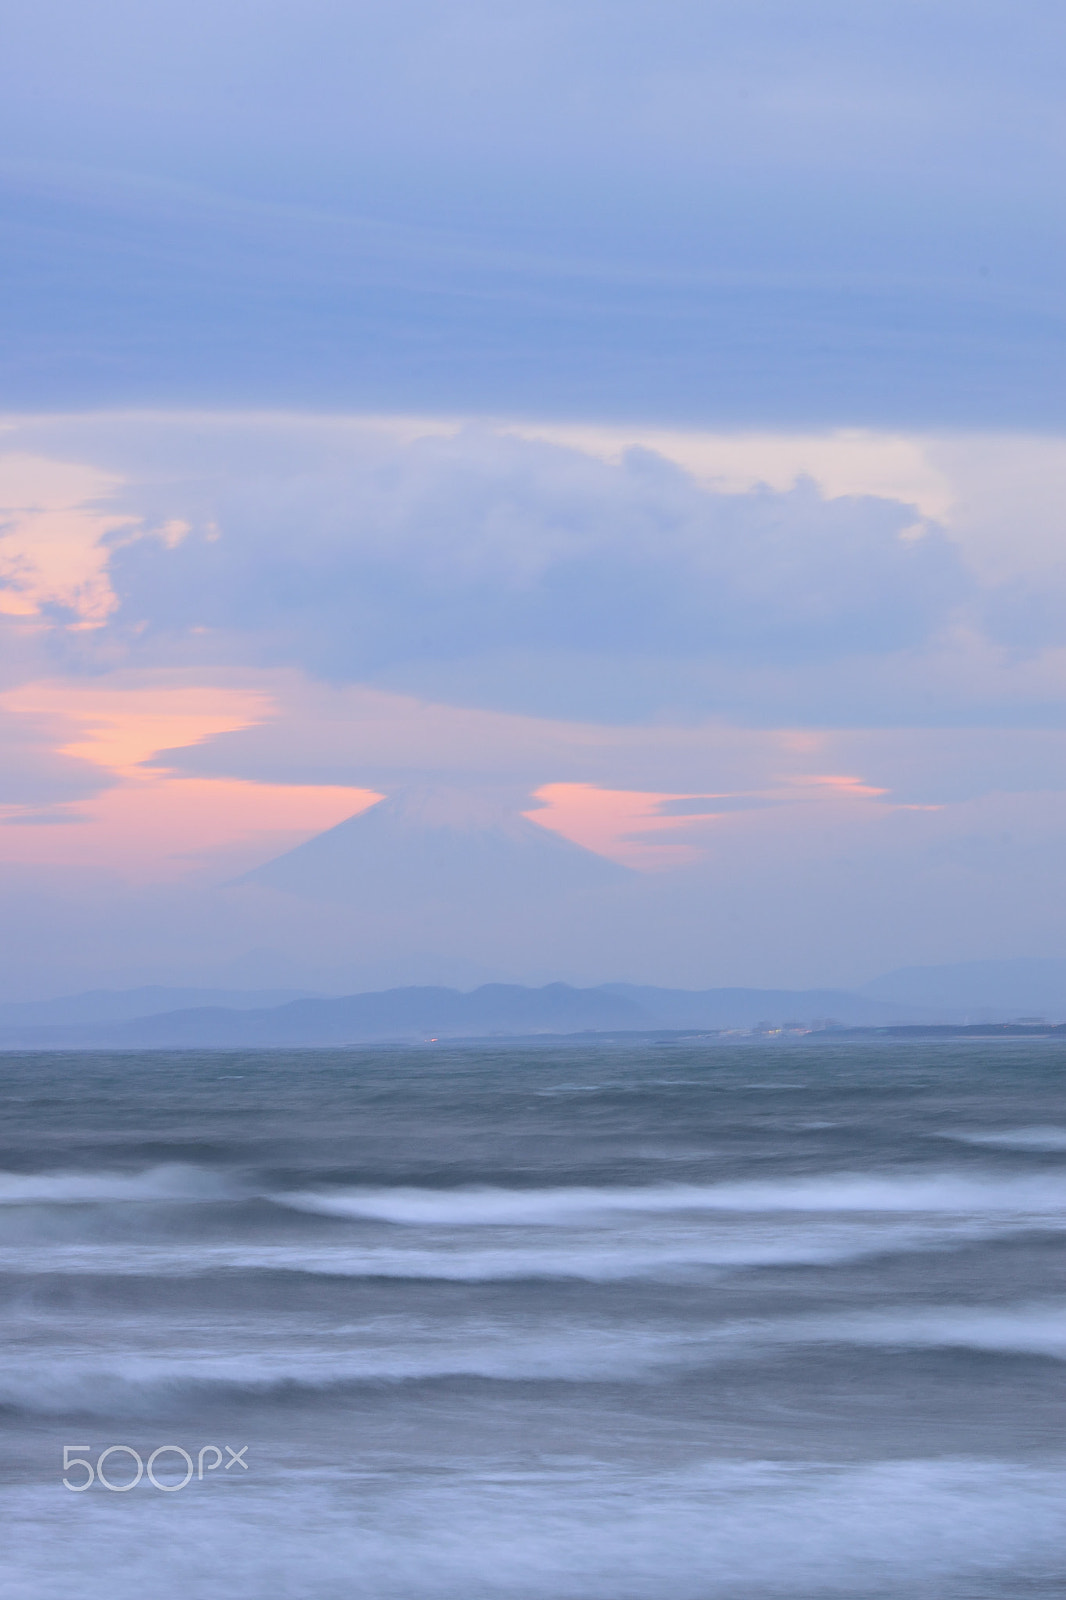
[746,1008]
[499,1009]
[398,1014]
[981,989]
[493,1009]
[467,847]
[120,1005]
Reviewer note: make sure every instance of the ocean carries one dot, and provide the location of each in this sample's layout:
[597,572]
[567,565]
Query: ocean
[664,1319]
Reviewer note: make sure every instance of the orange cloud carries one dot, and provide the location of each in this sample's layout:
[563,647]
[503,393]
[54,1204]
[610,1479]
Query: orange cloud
[152,824]
[120,728]
[163,827]
[606,820]
[603,820]
[51,537]
[838,783]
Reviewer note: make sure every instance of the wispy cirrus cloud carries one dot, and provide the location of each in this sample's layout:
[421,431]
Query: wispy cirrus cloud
[705,212]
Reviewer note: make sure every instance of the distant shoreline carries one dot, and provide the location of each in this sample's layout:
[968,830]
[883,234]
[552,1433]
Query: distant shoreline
[591,1038]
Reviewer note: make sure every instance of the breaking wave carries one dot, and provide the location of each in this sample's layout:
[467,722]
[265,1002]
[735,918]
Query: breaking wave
[954,1193]
[1036,1139]
[59,1379]
[170,1182]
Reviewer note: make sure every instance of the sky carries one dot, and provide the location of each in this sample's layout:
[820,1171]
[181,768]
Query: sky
[642,421]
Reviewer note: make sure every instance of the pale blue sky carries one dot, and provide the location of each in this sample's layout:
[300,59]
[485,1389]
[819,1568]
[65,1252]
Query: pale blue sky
[739,211]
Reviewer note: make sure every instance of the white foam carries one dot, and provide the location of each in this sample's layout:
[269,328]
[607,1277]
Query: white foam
[129,1376]
[1034,1328]
[171,1182]
[945,1192]
[1050,1139]
[650,1252]
[124,1365]
[929,1529]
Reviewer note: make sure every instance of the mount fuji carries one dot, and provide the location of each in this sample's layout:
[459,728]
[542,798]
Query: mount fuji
[468,850]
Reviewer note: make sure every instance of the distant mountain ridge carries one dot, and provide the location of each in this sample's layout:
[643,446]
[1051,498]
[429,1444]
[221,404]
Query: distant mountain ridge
[747,1008]
[460,847]
[982,989]
[420,1012]
[118,1005]
[164,1018]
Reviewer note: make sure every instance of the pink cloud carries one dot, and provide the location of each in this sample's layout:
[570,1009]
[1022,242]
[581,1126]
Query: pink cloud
[152,824]
[605,820]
